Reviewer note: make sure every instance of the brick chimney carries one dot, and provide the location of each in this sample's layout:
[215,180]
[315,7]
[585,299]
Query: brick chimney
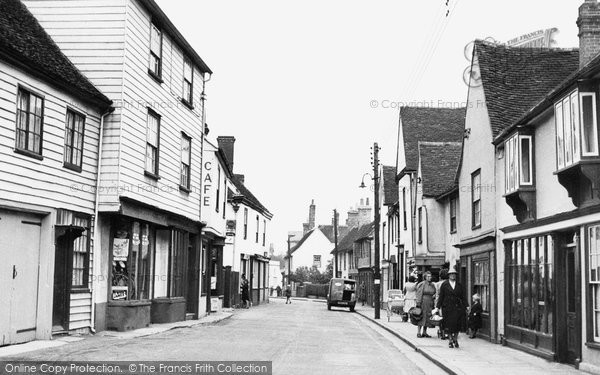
[226,144]
[311,215]
[364,212]
[352,220]
[589,31]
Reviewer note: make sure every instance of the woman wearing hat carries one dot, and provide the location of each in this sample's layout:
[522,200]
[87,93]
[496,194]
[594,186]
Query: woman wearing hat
[425,296]
[452,302]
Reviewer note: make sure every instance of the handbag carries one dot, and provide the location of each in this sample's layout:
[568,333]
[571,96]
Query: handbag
[415,314]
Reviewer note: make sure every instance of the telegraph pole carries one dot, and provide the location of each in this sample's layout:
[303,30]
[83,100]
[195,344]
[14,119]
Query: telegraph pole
[376,275]
[335,236]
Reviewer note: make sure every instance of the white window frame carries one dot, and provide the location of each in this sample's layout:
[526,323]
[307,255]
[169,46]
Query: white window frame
[593,255]
[575,126]
[521,181]
[567,129]
[594,125]
[560,141]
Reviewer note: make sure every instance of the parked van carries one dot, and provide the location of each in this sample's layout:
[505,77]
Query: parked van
[342,292]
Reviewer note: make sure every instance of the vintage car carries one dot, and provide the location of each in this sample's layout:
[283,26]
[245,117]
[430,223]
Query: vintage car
[342,292]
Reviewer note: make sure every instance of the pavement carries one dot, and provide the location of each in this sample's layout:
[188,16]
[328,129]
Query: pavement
[18,349]
[475,356]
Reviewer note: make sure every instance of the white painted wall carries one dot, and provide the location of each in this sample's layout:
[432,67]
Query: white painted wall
[316,244]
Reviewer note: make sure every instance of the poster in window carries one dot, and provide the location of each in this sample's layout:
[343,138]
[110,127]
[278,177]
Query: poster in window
[119,292]
[120,248]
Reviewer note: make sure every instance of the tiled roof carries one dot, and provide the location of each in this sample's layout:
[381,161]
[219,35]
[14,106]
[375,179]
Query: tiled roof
[365,231]
[514,79]
[431,125]
[346,242]
[302,240]
[439,163]
[25,42]
[249,197]
[330,234]
[390,186]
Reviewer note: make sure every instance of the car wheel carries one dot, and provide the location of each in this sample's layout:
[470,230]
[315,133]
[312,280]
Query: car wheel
[328,306]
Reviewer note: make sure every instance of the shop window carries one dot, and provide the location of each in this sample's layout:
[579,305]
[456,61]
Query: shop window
[177,262]
[481,282]
[81,254]
[593,235]
[529,283]
[132,258]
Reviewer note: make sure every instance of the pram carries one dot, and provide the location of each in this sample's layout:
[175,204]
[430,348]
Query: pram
[395,304]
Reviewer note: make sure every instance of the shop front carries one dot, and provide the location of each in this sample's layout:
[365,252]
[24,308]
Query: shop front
[153,268]
[542,304]
[477,275]
[213,271]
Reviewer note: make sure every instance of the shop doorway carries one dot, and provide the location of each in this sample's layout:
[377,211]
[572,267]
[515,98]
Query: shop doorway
[569,303]
[193,275]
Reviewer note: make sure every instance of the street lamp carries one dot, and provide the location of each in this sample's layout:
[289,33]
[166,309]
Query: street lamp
[376,275]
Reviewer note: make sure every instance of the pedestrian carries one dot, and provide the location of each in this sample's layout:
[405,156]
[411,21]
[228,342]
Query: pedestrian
[245,292]
[425,300]
[278,291]
[452,304]
[443,276]
[475,315]
[362,293]
[410,294]
[288,294]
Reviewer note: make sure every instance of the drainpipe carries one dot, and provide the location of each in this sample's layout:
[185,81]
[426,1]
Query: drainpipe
[202,131]
[96,204]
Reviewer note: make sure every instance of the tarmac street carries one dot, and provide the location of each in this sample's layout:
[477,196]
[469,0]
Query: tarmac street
[300,338]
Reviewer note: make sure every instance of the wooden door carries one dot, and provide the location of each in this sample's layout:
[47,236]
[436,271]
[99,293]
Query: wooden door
[62,283]
[20,251]
[573,305]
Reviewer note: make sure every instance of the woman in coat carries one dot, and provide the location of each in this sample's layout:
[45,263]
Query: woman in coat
[425,297]
[452,303]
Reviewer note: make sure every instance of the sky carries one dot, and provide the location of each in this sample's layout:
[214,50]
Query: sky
[307,87]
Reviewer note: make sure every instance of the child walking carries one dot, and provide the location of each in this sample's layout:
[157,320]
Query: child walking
[475,315]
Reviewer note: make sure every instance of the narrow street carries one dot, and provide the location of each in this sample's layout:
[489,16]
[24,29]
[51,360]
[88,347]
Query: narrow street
[300,338]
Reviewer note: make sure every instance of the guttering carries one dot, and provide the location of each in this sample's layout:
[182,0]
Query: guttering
[96,205]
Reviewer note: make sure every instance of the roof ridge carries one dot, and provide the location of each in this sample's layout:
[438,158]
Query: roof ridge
[439,143]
